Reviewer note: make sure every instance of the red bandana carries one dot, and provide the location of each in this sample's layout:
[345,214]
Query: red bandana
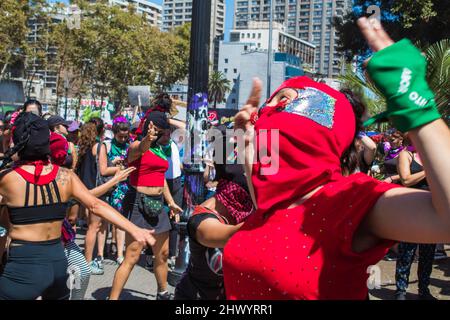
[36,178]
[59,147]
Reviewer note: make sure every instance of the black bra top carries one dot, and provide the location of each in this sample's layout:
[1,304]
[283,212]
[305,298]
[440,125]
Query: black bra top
[416,168]
[50,210]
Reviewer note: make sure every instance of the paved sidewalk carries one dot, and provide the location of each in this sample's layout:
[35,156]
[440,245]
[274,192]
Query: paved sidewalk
[142,284]
[439,286]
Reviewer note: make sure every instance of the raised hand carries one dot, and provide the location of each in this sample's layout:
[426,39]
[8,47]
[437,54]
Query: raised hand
[374,33]
[151,134]
[398,70]
[243,117]
[122,175]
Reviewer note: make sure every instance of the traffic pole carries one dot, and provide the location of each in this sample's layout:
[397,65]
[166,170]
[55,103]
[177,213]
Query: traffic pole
[196,129]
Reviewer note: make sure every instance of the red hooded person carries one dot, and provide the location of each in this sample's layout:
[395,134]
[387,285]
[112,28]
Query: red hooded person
[304,252]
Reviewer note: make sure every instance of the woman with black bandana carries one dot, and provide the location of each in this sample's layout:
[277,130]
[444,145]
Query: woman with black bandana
[36,194]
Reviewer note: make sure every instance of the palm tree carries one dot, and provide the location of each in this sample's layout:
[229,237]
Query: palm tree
[438,77]
[218,87]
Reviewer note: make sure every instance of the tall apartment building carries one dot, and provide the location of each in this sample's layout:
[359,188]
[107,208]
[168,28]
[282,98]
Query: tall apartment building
[179,12]
[240,62]
[41,80]
[152,11]
[256,36]
[310,20]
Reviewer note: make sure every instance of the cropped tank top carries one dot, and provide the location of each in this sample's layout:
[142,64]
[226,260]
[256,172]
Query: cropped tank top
[52,207]
[150,170]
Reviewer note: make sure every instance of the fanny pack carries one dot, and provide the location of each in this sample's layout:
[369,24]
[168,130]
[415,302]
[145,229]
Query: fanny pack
[150,207]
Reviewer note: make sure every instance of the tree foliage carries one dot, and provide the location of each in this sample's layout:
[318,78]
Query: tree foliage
[438,77]
[218,87]
[424,21]
[14,17]
[115,48]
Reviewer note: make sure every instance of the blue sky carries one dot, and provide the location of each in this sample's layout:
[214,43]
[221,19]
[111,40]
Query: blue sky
[229,13]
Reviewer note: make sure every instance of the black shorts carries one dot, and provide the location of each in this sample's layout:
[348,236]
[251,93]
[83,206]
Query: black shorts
[131,210]
[35,269]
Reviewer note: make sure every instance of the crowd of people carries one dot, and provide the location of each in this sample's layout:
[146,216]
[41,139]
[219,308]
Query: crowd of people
[339,201]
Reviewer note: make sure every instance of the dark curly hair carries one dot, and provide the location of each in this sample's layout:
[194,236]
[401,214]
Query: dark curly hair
[99,125]
[88,138]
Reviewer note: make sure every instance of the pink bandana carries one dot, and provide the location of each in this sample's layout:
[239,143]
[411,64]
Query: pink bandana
[237,201]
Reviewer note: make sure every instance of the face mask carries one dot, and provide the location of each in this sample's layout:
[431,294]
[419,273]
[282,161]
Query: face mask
[310,134]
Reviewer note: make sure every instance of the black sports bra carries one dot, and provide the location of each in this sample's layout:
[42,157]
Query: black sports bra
[51,209]
[415,167]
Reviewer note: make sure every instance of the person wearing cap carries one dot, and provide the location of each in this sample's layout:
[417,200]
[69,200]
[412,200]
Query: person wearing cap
[74,131]
[74,126]
[143,203]
[62,151]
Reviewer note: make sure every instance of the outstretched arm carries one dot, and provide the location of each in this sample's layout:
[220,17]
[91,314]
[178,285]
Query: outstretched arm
[118,177]
[407,214]
[103,210]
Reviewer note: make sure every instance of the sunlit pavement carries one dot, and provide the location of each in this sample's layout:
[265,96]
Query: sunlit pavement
[141,284]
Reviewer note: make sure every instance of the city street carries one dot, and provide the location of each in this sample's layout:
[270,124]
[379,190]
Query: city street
[142,284]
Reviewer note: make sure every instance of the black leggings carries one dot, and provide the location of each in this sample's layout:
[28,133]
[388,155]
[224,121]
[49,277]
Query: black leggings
[35,269]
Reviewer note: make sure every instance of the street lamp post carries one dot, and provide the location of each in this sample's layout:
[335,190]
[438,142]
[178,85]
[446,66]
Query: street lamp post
[196,127]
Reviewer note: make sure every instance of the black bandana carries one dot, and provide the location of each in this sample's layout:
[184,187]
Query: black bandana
[37,140]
